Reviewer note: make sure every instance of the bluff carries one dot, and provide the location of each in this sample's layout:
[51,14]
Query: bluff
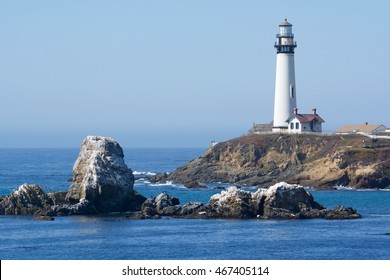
[317,161]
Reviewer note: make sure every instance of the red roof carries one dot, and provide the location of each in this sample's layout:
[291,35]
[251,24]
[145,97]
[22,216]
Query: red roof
[306,118]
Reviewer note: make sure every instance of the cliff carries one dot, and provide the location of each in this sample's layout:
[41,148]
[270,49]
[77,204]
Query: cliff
[309,160]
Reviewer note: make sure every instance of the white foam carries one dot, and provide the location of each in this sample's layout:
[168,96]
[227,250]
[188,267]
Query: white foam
[167,183]
[343,188]
[145,173]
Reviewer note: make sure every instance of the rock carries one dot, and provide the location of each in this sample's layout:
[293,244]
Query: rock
[44,218]
[280,201]
[83,207]
[159,178]
[291,198]
[163,200]
[171,210]
[27,200]
[194,185]
[341,213]
[232,203]
[192,208]
[101,177]
[58,197]
[318,161]
[162,204]
[44,215]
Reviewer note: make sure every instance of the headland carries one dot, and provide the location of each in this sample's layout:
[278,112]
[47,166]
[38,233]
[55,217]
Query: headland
[310,160]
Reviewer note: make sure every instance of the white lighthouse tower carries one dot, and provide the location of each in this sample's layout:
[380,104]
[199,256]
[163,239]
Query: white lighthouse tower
[285,90]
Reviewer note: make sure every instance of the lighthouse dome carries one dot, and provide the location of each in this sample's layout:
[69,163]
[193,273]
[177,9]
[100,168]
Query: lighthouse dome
[285,23]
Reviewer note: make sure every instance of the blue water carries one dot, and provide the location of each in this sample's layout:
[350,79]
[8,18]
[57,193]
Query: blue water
[111,237]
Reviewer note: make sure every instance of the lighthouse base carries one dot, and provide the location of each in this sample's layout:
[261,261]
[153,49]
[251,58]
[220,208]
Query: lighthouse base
[280,129]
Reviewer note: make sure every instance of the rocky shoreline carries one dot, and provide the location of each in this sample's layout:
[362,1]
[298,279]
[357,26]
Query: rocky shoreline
[316,161]
[102,183]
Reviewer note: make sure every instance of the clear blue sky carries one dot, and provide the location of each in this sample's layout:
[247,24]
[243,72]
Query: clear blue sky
[182,73]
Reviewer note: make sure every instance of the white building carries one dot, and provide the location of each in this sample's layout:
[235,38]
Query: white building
[286,117]
[370,129]
[304,123]
[285,89]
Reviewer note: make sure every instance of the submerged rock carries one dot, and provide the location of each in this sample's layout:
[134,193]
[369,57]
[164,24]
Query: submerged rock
[194,185]
[26,200]
[160,178]
[101,176]
[341,213]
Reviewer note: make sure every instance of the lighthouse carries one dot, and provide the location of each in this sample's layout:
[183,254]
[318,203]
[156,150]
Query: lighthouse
[285,89]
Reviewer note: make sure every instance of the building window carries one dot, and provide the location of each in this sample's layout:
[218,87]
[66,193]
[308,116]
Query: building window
[296,125]
[291,125]
[292,91]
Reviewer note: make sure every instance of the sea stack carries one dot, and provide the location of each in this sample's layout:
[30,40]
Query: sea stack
[101,176]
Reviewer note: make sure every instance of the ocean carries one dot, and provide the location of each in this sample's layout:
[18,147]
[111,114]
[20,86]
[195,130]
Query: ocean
[110,237]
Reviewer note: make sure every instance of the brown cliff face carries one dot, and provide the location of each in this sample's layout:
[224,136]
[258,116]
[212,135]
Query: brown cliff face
[309,160]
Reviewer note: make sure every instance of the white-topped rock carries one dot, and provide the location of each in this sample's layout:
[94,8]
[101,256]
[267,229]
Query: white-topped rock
[101,176]
[26,200]
[281,200]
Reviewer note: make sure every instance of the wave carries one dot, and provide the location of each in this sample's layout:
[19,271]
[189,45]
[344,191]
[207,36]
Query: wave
[146,183]
[144,173]
[167,183]
[343,188]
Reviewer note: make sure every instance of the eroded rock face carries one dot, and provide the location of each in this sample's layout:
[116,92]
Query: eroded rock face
[26,200]
[101,176]
[309,160]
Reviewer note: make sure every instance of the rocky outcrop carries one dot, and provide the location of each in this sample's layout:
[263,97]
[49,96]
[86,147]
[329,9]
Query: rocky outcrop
[281,201]
[101,177]
[310,160]
[162,204]
[233,203]
[26,200]
[194,185]
[101,183]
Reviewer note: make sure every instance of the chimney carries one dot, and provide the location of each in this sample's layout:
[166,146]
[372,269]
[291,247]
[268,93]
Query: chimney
[314,111]
[295,112]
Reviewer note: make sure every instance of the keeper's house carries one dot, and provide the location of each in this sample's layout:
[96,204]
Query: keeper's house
[305,123]
[371,129]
